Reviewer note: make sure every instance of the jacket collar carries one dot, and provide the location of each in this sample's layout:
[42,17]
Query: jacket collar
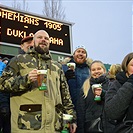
[45,56]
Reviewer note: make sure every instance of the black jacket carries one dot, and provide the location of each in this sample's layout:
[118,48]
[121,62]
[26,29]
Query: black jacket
[4,102]
[119,98]
[88,109]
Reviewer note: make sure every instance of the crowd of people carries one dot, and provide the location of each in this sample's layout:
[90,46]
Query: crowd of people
[98,101]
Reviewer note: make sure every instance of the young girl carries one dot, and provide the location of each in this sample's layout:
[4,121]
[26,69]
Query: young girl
[90,108]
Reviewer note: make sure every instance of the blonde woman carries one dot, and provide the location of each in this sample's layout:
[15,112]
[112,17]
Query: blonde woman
[114,69]
[91,101]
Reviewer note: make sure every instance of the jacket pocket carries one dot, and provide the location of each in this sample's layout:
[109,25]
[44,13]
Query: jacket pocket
[30,117]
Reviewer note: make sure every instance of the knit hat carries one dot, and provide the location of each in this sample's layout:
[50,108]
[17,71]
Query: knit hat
[78,47]
[26,39]
[5,58]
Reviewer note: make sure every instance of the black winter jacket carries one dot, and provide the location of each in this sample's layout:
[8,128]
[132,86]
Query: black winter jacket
[119,98]
[4,102]
[88,109]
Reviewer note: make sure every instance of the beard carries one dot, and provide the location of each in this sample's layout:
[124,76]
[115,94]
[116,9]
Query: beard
[40,50]
[79,61]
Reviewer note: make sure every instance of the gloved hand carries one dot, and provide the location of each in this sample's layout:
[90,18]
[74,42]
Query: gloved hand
[130,79]
[70,74]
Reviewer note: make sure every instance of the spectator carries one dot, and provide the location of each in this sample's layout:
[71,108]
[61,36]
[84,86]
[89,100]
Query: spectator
[114,69]
[5,126]
[5,60]
[32,110]
[2,66]
[76,77]
[91,102]
[119,98]
[26,44]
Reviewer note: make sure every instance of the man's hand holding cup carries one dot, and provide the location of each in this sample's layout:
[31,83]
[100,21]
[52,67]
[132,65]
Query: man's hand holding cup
[71,65]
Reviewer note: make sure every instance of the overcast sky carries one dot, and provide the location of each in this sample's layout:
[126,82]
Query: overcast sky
[103,27]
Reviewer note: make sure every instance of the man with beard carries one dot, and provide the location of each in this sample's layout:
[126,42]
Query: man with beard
[34,110]
[76,77]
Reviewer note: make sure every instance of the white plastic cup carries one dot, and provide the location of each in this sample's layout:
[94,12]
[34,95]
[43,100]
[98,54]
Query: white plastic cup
[67,119]
[71,65]
[94,86]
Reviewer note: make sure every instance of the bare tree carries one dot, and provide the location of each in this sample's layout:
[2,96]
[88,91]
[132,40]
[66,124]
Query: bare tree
[54,9]
[17,5]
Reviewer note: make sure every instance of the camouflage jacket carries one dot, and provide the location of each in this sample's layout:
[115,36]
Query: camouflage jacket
[33,110]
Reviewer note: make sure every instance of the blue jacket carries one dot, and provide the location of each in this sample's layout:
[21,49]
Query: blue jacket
[75,79]
[2,66]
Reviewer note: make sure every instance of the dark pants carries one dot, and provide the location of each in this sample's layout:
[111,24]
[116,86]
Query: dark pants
[5,125]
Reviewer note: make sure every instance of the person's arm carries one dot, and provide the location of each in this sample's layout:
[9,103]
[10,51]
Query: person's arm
[11,80]
[66,98]
[118,99]
[66,101]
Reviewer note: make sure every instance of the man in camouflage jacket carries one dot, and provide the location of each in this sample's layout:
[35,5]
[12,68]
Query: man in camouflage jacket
[32,110]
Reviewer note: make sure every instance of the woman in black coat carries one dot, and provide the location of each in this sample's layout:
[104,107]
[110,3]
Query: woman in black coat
[90,108]
[119,98]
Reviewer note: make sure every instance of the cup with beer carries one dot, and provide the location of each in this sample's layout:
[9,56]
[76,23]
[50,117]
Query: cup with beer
[42,79]
[67,119]
[97,87]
